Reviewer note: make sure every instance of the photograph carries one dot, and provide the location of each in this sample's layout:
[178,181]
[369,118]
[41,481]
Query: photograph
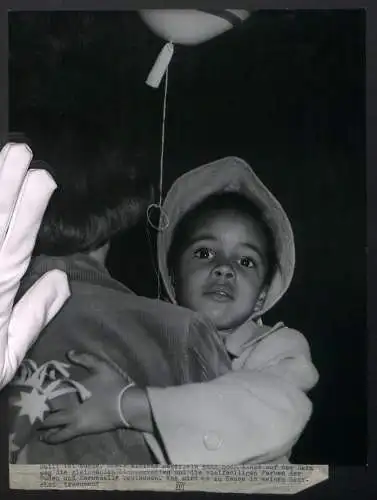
[186,240]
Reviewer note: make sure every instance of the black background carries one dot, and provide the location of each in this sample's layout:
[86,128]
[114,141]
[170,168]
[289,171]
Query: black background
[286,92]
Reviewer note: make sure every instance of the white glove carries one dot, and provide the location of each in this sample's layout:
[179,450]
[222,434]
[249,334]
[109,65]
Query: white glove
[24,196]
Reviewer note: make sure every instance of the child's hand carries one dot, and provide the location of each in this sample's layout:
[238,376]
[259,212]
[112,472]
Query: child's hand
[97,414]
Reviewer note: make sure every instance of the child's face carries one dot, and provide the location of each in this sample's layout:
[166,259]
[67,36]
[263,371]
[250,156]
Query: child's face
[222,270]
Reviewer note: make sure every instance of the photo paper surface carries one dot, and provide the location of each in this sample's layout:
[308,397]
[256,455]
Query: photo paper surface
[210,218]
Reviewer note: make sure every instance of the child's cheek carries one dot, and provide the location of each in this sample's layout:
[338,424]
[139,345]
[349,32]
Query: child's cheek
[194,266]
[249,288]
[195,280]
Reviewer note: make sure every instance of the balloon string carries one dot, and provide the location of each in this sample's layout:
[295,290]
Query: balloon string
[163,135]
[153,256]
[162,165]
[163,220]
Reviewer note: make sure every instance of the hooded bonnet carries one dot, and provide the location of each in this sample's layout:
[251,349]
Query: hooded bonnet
[229,174]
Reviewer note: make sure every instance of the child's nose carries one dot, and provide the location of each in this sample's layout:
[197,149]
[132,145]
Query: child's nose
[224,271]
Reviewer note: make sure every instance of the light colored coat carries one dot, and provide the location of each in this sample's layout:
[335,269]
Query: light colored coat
[253,414]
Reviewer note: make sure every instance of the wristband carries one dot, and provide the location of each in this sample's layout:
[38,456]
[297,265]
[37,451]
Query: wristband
[126,424]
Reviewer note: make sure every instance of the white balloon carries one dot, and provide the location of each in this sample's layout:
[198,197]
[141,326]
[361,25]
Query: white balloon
[191,27]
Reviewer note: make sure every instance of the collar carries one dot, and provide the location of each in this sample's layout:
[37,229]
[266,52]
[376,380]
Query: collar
[248,334]
[78,267]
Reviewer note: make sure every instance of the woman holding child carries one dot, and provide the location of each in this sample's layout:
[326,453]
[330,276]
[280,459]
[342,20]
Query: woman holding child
[228,254]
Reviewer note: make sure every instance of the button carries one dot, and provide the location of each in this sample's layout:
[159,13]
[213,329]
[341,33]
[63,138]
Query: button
[212,441]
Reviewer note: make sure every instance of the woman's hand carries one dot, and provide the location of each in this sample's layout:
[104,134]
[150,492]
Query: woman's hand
[99,413]
[24,195]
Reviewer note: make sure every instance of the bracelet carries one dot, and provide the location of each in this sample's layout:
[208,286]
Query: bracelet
[126,424]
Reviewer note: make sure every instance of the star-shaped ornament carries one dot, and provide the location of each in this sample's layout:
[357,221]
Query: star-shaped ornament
[33,405]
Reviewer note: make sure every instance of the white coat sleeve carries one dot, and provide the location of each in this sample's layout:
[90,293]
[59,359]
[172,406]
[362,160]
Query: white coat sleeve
[254,413]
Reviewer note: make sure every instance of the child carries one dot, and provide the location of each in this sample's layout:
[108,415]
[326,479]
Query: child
[228,253]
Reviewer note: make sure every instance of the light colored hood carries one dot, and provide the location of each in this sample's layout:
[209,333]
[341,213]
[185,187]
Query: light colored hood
[229,174]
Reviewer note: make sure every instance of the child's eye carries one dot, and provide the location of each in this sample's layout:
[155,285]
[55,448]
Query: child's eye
[204,253]
[247,262]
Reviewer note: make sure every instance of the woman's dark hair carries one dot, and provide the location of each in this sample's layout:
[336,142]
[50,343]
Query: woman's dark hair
[100,192]
[215,202]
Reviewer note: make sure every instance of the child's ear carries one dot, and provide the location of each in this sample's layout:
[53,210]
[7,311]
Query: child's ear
[260,301]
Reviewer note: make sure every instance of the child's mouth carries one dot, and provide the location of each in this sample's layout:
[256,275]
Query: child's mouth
[220,293]
[219,297]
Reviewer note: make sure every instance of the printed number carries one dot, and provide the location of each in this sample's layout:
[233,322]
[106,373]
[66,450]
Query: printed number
[179,486]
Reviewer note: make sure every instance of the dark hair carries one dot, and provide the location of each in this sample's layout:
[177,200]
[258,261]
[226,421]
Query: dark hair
[221,201]
[100,192]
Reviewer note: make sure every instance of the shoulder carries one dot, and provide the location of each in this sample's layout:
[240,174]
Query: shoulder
[120,309]
[112,298]
[167,312]
[284,352]
[284,339]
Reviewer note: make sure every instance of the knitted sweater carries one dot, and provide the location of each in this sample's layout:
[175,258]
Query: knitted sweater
[151,342]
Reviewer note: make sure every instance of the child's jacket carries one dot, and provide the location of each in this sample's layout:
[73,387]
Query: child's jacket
[256,412]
